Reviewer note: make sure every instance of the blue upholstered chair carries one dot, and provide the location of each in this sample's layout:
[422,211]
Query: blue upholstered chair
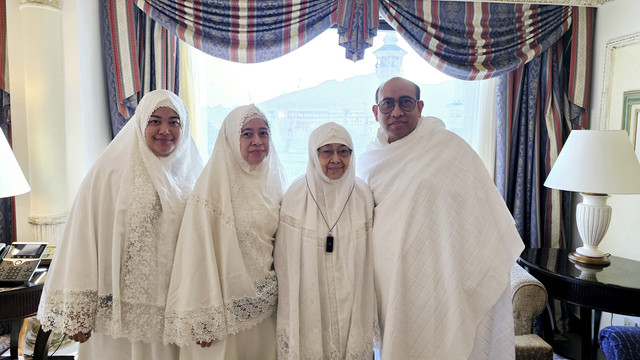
[620,342]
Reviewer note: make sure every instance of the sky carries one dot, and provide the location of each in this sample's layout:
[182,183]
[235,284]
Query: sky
[222,82]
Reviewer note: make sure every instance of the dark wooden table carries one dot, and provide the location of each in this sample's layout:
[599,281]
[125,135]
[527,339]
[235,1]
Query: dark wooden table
[18,302]
[614,289]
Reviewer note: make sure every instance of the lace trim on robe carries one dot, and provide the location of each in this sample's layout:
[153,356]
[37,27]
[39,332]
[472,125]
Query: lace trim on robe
[207,324]
[137,322]
[211,208]
[256,260]
[138,311]
[139,263]
[68,311]
[288,348]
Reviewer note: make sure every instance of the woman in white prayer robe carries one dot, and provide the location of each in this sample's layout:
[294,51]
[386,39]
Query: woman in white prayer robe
[108,281]
[223,291]
[323,257]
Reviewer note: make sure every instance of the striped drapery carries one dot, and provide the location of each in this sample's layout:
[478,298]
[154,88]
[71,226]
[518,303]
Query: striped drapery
[141,49]
[7,221]
[251,31]
[357,26]
[4,67]
[538,106]
[472,40]
[140,56]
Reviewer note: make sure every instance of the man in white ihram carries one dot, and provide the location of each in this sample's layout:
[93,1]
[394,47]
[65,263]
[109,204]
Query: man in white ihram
[443,239]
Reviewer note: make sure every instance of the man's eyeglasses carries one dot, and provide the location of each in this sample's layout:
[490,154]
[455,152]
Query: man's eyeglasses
[406,103]
[326,153]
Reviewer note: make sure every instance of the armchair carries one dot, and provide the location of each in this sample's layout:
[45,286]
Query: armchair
[529,298]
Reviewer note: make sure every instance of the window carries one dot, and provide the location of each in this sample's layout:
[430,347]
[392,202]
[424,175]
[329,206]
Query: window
[316,84]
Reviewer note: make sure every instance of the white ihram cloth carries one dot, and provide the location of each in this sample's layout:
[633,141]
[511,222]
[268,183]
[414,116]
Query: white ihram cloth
[444,243]
[326,301]
[111,270]
[223,287]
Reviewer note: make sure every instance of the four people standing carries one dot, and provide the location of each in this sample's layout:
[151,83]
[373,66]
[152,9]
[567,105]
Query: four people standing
[323,260]
[439,251]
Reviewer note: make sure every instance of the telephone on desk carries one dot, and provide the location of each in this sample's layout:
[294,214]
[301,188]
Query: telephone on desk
[19,260]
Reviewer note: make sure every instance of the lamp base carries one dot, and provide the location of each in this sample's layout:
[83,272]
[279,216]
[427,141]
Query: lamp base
[588,260]
[587,272]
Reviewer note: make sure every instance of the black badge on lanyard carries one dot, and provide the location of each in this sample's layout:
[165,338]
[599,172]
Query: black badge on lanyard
[329,243]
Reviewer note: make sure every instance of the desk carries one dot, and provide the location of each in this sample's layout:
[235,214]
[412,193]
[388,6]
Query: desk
[614,289]
[16,304]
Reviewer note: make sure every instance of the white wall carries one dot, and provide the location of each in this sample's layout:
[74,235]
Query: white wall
[86,100]
[614,20]
[86,115]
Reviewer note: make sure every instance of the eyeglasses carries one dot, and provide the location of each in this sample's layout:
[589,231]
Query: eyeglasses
[406,103]
[344,152]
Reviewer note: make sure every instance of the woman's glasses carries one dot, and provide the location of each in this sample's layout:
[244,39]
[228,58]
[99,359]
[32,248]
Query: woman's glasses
[326,153]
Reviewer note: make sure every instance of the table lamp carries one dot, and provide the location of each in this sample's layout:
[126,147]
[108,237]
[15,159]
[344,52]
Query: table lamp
[595,163]
[12,180]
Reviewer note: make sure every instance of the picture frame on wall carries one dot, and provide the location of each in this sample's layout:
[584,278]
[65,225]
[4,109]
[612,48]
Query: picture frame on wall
[619,53]
[636,146]
[630,114]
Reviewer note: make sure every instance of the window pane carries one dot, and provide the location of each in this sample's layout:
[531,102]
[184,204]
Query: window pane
[316,84]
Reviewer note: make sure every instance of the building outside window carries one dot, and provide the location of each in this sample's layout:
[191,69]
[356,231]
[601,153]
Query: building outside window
[316,84]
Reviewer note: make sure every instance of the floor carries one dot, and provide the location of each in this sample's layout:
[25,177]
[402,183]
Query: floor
[558,357]
[4,351]
[4,339]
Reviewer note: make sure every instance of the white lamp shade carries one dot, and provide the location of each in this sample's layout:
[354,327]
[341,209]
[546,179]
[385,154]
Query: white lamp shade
[596,161]
[12,180]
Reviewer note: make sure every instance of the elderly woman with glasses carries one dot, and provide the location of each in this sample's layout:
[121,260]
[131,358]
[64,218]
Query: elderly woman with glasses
[323,259]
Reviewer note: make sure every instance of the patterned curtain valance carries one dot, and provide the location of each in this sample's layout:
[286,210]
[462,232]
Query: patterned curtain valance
[467,40]
[251,31]
[470,40]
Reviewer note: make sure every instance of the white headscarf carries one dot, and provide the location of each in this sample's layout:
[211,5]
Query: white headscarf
[326,305]
[111,270]
[325,190]
[223,281]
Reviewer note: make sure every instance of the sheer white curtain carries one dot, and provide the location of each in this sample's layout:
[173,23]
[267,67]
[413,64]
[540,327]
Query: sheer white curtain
[479,131]
[484,141]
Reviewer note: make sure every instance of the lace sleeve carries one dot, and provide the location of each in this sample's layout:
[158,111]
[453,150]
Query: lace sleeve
[68,311]
[216,322]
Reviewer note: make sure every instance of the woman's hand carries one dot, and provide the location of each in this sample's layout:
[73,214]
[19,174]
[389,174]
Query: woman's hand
[80,336]
[204,344]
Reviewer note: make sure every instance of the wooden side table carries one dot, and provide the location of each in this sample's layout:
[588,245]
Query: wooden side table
[16,304]
[614,289]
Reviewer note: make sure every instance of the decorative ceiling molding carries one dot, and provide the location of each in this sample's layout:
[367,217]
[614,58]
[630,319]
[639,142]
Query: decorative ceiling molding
[591,3]
[56,4]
